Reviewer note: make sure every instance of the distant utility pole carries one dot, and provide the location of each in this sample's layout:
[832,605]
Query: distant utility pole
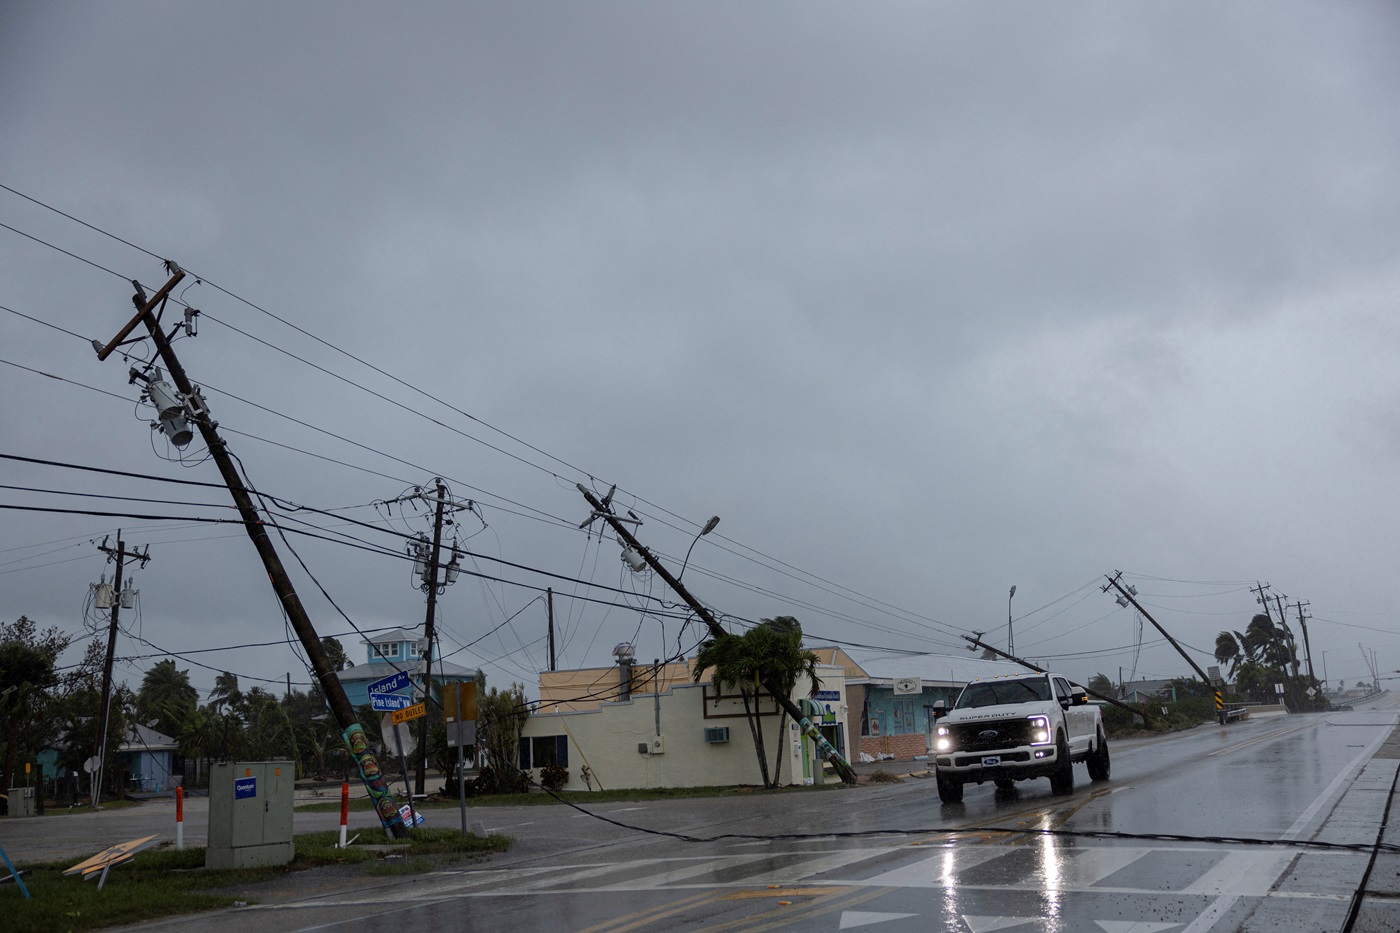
[1307,648]
[427,559]
[175,411]
[119,593]
[549,609]
[602,508]
[1128,596]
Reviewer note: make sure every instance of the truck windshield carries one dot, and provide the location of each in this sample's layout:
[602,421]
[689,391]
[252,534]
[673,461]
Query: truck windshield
[997,692]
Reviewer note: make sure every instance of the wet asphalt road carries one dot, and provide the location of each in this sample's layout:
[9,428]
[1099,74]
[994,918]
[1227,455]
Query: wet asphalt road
[891,858]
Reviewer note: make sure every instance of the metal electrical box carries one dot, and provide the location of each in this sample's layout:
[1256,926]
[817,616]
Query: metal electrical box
[22,801]
[250,814]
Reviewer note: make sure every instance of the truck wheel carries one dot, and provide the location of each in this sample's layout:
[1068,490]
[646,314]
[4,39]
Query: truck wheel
[1099,766]
[1062,780]
[950,789]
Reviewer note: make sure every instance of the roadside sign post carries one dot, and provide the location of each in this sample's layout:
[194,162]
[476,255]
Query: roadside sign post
[407,787]
[459,711]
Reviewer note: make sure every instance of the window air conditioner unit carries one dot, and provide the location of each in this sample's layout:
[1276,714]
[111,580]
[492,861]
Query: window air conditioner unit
[716,735]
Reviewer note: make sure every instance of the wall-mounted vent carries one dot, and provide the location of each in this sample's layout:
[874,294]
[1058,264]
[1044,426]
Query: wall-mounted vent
[716,735]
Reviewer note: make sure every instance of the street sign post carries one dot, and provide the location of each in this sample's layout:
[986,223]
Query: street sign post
[389,702]
[391,684]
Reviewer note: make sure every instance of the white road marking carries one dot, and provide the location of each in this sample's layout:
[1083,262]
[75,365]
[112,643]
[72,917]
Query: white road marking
[988,924]
[1133,926]
[1244,874]
[850,919]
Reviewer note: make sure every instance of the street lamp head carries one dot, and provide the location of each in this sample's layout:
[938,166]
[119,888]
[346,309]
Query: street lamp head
[710,525]
[1013,591]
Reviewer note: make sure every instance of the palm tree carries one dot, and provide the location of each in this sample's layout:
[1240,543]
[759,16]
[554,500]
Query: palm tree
[166,698]
[225,692]
[768,655]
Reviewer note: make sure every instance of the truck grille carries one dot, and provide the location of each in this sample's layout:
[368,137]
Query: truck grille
[990,735]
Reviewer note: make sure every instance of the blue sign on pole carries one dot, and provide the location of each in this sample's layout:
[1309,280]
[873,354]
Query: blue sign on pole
[243,788]
[388,702]
[390,684]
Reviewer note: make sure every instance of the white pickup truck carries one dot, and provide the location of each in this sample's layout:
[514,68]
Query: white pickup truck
[1017,727]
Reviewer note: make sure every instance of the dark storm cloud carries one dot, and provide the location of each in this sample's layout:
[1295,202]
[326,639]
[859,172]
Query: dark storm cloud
[925,299]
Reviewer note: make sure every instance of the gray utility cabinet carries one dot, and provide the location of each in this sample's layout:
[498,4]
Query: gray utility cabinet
[22,802]
[250,814]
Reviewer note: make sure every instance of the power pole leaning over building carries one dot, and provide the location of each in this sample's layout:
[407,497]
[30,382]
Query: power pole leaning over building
[173,412]
[104,709]
[602,508]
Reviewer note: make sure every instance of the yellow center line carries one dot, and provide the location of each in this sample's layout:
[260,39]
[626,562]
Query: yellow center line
[784,917]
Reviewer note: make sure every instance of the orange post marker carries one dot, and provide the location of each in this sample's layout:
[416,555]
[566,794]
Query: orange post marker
[179,817]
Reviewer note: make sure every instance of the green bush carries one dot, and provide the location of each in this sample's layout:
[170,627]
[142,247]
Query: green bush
[554,776]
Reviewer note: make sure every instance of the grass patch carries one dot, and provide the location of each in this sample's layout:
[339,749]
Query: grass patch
[580,797]
[163,882]
[102,807]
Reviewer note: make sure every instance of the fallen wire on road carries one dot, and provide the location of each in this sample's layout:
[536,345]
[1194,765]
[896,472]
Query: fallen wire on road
[1369,847]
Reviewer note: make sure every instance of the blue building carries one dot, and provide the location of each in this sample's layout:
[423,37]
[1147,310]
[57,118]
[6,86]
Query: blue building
[147,760]
[393,651]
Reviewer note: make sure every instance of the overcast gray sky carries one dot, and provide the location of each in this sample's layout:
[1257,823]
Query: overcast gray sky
[925,300]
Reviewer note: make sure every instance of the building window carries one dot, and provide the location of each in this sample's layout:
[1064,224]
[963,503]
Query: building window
[387,649]
[413,649]
[541,750]
[865,717]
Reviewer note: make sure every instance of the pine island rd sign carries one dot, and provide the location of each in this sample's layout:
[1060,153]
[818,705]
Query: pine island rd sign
[411,712]
[391,684]
[389,702]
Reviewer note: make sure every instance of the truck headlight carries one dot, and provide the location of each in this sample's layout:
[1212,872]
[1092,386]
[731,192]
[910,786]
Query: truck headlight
[944,742]
[1040,730]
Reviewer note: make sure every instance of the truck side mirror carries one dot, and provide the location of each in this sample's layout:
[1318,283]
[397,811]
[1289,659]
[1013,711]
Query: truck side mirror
[1080,696]
[940,708]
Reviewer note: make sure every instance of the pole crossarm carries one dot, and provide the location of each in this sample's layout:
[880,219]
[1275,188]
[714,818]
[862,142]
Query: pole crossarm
[604,510]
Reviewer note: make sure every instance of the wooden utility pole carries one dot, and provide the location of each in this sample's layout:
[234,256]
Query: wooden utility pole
[549,609]
[1131,597]
[1307,648]
[351,731]
[104,710]
[604,510]
[431,582]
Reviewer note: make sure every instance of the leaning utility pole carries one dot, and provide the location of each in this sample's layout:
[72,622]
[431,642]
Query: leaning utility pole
[602,508]
[977,642]
[119,554]
[1129,595]
[253,523]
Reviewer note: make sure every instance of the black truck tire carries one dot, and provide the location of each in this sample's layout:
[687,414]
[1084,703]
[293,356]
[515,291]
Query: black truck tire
[1062,780]
[1099,765]
[950,789]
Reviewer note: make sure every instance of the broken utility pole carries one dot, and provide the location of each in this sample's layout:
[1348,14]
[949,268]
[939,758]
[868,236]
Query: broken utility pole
[603,509]
[351,731]
[1128,596]
[979,643]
